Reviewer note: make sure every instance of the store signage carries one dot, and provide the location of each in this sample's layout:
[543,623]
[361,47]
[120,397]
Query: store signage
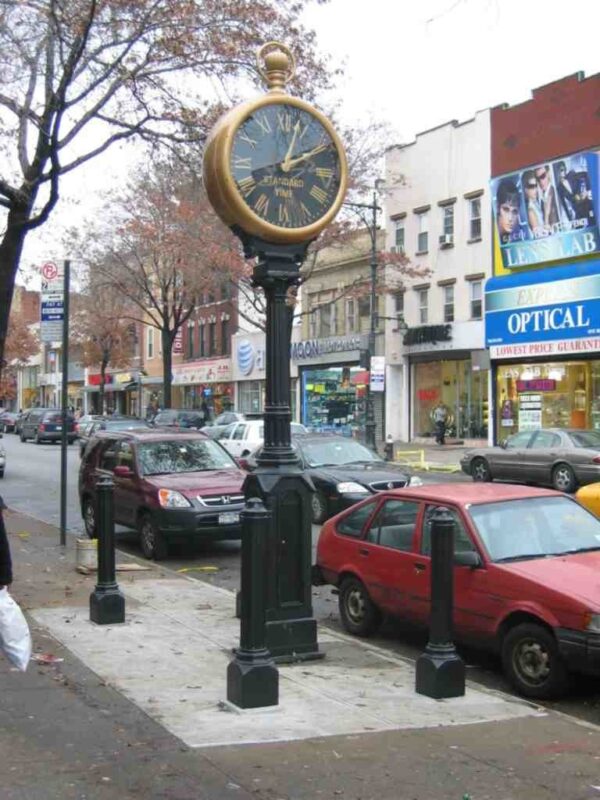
[123,377]
[539,385]
[52,302]
[561,347]
[544,309]
[530,412]
[548,211]
[428,334]
[249,357]
[96,379]
[314,348]
[377,374]
[203,372]
[178,341]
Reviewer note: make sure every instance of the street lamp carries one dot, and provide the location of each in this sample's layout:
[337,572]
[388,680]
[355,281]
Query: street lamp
[371,226]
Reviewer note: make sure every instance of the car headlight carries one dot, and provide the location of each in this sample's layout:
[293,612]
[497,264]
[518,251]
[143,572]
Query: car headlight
[415,481]
[170,499]
[593,623]
[350,487]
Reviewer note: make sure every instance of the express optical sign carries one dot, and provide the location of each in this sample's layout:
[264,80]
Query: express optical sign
[544,306]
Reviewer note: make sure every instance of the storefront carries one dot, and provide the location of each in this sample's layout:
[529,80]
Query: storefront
[446,367]
[249,363]
[209,380]
[333,386]
[543,332]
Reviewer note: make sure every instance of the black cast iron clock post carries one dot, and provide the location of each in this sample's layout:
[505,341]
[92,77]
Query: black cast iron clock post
[275,172]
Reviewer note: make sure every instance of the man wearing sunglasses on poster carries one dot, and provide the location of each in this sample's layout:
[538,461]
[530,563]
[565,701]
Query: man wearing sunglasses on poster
[547,196]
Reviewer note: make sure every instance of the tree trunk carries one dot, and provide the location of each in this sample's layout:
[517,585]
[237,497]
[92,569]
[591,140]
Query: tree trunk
[167,358]
[103,365]
[11,248]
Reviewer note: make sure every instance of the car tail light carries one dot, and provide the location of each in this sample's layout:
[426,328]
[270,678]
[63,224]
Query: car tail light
[41,426]
[76,427]
[596,460]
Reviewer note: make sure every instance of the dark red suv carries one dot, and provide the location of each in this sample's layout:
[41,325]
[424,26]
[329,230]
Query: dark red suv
[170,485]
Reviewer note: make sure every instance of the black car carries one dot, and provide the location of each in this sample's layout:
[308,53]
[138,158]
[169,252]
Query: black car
[343,472]
[89,429]
[179,418]
[46,425]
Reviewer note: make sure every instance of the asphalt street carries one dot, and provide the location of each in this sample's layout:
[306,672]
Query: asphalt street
[32,485]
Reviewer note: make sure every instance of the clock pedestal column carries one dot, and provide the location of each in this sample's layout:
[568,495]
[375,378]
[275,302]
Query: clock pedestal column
[291,630]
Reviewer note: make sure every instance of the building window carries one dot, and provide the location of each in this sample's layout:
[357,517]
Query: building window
[399,303]
[350,316]
[190,340]
[334,319]
[325,321]
[399,239]
[212,338]
[225,337]
[313,322]
[448,220]
[423,306]
[475,218]
[476,294]
[150,342]
[202,339]
[448,303]
[225,290]
[423,234]
[210,297]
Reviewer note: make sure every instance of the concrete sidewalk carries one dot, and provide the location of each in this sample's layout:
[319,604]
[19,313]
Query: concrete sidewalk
[136,710]
[430,457]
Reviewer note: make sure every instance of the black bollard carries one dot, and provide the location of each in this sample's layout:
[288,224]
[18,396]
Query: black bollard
[107,604]
[252,677]
[440,670]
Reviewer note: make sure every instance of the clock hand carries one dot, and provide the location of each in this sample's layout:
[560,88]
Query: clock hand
[286,166]
[290,149]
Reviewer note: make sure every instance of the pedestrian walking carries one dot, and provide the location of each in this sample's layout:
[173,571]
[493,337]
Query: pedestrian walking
[440,417]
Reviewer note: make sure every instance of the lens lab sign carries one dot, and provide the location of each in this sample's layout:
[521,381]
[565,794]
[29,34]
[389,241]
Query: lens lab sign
[544,307]
[52,302]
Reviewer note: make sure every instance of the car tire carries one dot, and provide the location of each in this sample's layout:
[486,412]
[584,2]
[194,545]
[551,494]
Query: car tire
[563,478]
[359,615]
[1,473]
[532,662]
[152,541]
[36,438]
[88,512]
[22,437]
[480,470]
[318,504]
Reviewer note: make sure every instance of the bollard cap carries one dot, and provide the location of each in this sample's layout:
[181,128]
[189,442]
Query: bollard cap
[441,515]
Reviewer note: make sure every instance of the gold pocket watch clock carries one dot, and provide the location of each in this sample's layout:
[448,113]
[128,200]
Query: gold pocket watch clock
[275,167]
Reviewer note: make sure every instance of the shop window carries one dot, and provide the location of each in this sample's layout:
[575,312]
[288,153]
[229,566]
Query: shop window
[250,397]
[350,315]
[475,291]
[448,303]
[475,218]
[423,232]
[423,306]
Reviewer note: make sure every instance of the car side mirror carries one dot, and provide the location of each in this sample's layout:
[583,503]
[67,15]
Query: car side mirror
[121,471]
[468,558]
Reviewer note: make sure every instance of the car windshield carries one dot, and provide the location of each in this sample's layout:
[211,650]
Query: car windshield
[535,527]
[123,424]
[334,453]
[585,439]
[182,455]
[166,416]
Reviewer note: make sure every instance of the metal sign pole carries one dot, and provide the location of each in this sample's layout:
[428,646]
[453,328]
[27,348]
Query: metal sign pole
[65,406]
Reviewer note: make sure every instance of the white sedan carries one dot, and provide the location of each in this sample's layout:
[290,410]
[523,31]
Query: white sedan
[242,438]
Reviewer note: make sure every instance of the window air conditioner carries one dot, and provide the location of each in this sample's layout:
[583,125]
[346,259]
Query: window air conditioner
[446,239]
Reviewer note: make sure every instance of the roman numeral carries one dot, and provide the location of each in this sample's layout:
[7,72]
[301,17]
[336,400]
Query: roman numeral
[304,214]
[243,136]
[284,121]
[319,195]
[247,185]
[262,205]
[283,214]
[242,163]
[263,123]
[325,174]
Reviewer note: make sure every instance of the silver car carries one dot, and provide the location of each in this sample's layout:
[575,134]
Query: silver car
[562,458]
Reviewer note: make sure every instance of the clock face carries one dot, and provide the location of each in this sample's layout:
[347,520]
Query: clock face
[285,166]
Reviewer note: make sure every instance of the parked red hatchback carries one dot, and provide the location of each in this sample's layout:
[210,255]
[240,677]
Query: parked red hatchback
[168,485]
[526,577]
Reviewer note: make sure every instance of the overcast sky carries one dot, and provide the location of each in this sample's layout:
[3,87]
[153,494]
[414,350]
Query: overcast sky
[414,64]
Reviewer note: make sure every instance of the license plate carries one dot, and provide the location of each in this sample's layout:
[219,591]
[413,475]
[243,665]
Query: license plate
[59,427]
[229,518]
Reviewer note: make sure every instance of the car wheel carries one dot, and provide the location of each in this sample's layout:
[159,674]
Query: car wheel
[319,508]
[532,662]
[563,478]
[88,513]
[1,473]
[480,470]
[359,615]
[22,438]
[36,438]
[152,541]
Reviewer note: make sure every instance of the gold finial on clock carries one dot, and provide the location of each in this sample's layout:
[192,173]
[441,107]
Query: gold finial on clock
[276,64]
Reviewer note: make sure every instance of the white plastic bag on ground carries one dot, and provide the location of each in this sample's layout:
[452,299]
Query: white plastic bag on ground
[15,639]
